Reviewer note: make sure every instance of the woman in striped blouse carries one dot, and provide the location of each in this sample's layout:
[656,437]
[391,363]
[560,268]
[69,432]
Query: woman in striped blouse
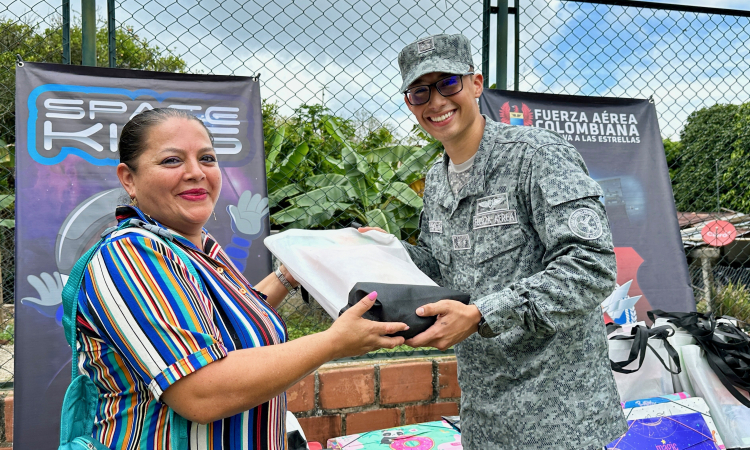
[152,337]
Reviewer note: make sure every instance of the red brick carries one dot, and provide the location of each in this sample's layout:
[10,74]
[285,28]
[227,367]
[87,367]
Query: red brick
[427,413]
[9,418]
[410,382]
[448,380]
[301,396]
[372,420]
[320,429]
[345,388]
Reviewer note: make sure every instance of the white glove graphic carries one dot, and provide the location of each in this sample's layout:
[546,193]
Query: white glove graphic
[49,288]
[249,212]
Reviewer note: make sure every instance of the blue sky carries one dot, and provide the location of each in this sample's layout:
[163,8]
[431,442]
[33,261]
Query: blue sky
[343,52]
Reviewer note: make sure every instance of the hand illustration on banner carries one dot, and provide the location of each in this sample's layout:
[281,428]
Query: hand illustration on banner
[247,224]
[49,288]
[247,216]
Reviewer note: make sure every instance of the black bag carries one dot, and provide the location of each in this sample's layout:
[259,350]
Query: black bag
[727,348]
[640,336]
[399,303]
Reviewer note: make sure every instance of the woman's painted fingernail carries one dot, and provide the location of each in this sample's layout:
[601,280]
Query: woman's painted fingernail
[372,295]
[420,311]
[406,328]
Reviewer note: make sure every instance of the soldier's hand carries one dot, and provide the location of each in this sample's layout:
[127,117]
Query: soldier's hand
[366,229]
[455,322]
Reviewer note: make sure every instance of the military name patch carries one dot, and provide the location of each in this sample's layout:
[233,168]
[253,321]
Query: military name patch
[495,219]
[425,45]
[492,203]
[436,226]
[461,242]
[586,224]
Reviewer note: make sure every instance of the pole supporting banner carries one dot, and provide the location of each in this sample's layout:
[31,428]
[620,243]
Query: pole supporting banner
[88,29]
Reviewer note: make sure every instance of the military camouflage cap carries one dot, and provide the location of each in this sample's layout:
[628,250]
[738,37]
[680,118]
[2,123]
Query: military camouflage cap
[449,53]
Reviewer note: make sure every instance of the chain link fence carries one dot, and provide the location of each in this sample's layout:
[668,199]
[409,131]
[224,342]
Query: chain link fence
[330,80]
[693,62]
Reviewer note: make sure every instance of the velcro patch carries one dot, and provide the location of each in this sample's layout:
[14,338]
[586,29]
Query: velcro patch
[436,226]
[461,242]
[495,219]
[425,45]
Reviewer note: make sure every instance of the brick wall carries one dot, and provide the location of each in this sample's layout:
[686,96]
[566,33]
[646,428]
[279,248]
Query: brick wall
[6,421]
[343,399]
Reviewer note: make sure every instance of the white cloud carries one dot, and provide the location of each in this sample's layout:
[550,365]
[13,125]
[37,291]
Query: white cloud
[344,51]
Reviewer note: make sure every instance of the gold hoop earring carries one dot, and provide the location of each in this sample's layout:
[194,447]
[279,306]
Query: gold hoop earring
[133,201]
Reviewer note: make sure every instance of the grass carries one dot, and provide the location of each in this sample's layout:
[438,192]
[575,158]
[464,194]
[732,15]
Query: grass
[730,300]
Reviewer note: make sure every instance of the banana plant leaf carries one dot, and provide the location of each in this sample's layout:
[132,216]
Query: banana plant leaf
[273,153]
[378,218]
[417,163]
[280,194]
[404,194]
[293,214]
[7,200]
[332,194]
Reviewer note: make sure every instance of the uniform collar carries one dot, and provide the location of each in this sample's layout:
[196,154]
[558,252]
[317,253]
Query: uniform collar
[124,212]
[476,181]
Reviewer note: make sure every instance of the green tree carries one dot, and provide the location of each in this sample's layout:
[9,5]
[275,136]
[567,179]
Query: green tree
[325,171]
[708,149]
[34,43]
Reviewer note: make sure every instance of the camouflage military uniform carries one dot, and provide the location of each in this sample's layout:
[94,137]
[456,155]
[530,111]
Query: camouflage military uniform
[529,239]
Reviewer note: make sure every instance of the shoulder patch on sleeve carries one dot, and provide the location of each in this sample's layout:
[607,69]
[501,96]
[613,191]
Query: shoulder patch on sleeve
[586,224]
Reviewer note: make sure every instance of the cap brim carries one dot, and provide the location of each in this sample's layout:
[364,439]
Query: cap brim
[430,66]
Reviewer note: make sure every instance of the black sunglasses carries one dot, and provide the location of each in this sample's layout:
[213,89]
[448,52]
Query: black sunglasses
[450,85]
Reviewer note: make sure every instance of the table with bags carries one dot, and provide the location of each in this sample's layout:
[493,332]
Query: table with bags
[683,381]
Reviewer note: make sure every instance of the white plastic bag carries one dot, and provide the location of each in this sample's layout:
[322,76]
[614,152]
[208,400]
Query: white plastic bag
[328,263]
[731,417]
[679,340]
[652,380]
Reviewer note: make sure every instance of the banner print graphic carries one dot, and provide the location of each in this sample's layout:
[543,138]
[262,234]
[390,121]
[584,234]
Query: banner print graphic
[68,120]
[620,142]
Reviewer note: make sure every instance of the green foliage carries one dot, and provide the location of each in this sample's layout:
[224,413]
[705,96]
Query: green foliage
[45,45]
[730,300]
[321,174]
[715,144]
[7,334]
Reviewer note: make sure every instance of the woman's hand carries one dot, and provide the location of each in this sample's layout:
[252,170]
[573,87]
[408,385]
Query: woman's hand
[352,335]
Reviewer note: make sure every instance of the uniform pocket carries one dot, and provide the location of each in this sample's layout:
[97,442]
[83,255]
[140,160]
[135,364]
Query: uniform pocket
[495,241]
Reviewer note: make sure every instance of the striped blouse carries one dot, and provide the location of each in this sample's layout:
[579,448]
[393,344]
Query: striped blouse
[144,322]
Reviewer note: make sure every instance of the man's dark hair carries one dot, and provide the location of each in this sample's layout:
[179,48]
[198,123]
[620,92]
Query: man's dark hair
[133,137]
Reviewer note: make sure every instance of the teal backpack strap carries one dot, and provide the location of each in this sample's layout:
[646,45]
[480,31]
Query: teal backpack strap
[80,400]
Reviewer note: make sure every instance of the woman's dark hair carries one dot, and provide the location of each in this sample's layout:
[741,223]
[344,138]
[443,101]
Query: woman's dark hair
[133,137]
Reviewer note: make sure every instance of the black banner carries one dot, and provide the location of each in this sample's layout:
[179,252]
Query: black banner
[620,141]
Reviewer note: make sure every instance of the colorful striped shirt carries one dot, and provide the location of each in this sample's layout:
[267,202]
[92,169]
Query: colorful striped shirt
[144,322]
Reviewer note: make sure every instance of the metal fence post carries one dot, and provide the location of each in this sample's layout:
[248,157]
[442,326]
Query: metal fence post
[501,64]
[111,29]
[88,27]
[516,44]
[66,31]
[486,42]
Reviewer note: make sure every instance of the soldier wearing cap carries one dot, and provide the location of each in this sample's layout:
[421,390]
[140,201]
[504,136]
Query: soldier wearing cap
[512,217]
